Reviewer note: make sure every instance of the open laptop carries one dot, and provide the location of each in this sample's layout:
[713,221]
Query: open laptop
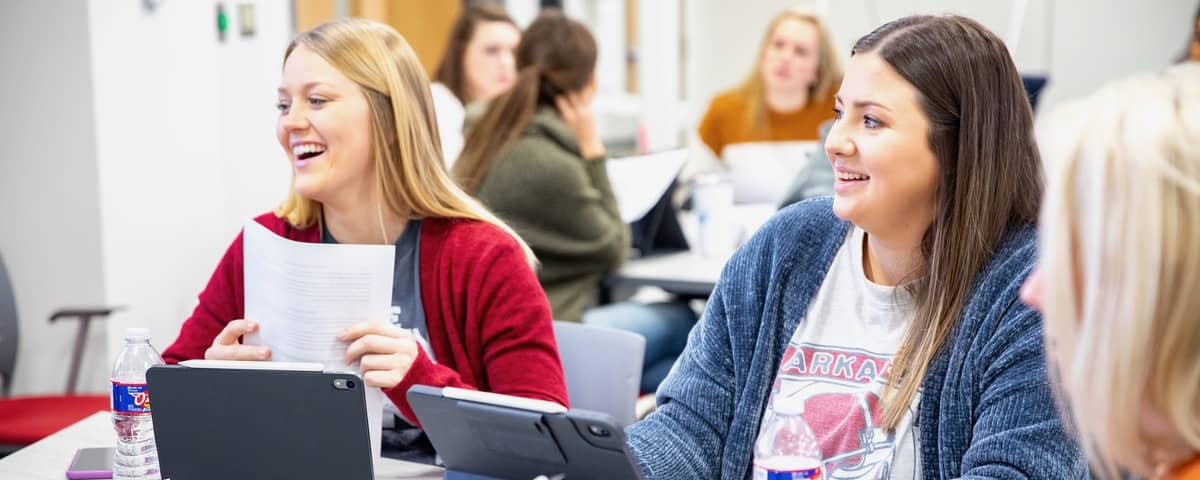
[234,423]
[659,231]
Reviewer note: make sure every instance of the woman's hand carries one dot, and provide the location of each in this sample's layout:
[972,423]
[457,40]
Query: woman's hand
[226,346]
[385,351]
[576,111]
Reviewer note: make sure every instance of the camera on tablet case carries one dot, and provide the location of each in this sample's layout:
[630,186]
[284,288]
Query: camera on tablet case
[598,431]
[343,384]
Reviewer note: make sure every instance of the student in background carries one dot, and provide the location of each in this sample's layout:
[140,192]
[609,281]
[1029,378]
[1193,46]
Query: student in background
[880,333]
[536,159]
[756,129]
[357,124]
[786,98]
[1191,53]
[1119,271]
[478,65]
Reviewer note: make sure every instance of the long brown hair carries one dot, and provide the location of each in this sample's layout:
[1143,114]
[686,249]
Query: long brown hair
[556,55]
[410,176]
[981,131]
[450,71]
[829,70]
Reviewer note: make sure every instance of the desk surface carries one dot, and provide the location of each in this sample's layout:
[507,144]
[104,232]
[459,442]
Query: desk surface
[48,459]
[684,272]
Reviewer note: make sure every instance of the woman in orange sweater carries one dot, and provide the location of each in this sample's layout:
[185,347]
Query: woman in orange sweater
[763,131]
[1120,270]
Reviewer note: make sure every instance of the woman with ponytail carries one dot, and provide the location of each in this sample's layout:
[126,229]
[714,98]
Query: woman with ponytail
[537,145]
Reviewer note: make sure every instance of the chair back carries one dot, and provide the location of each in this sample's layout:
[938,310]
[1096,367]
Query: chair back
[9,331]
[603,368]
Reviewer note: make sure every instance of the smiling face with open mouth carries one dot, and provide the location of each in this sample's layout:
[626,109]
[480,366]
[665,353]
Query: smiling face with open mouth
[324,126]
[885,172]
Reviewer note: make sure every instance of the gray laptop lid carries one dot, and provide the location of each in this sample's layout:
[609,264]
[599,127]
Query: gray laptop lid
[227,423]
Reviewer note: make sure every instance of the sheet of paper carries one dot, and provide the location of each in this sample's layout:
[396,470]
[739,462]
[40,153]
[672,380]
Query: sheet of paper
[304,294]
[255,365]
[762,171]
[640,181]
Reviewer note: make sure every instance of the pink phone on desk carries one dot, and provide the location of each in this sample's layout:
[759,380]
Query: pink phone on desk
[91,463]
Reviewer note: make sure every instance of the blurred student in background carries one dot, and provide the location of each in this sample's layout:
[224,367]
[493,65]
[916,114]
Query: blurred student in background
[753,130]
[357,124]
[879,334]
[536,159]
[763,131]
[1120,268]
[1191,50]
[478,65]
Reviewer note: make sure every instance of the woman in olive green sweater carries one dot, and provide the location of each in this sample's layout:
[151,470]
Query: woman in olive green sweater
[536,160]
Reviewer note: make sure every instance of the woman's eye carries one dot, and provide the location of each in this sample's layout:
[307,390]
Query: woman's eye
[316,102]
[871,122]
[837,113]
[282,107]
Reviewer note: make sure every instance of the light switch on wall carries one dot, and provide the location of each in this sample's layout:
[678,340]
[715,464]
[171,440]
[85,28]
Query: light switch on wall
[246,19]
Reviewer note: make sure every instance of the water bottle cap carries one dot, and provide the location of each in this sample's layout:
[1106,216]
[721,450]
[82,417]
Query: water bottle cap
[788,405]
[137,334]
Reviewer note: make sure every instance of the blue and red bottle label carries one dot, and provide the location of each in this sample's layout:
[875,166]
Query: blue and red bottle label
[130,398]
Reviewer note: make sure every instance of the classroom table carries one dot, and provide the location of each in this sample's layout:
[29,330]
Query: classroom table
[687,273]
[48,458]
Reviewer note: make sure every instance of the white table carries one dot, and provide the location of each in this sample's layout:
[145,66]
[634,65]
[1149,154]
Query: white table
[48,459]
[686,273]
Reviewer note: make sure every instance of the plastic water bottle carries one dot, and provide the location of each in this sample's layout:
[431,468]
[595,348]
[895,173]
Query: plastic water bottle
[136,456]
[712,202]
[787,449]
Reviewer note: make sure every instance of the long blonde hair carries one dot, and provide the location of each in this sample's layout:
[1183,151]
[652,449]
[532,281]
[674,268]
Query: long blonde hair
[829,69]
[1120,253]
[411,177]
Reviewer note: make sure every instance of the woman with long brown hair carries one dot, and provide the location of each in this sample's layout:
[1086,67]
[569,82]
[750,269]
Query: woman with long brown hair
[478,65]
[357,125]
[538,146]
[879,334]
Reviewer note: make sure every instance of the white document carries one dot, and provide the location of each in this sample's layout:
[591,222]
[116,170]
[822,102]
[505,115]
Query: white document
[255,365]
[640,181]
[304,294]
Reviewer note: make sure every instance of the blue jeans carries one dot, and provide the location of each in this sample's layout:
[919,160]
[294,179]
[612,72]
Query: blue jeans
[665,326]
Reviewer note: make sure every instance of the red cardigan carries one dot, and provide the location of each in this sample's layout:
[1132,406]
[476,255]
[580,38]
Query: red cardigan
[488,319]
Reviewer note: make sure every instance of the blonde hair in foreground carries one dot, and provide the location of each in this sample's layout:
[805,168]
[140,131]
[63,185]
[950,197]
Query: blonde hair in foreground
[411,177]
[1120,250]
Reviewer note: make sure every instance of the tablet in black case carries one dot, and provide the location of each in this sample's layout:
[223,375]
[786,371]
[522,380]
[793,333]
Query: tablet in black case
[230,423]
[478,440]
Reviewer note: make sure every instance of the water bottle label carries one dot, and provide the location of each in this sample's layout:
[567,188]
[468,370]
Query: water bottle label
[764,474]
[130,398]
[787,468]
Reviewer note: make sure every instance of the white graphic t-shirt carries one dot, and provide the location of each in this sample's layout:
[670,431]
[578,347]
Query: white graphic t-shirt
[835,369]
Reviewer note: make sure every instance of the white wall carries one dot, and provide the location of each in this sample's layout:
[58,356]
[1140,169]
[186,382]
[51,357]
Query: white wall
[1079,43]
[1100,40]
[185,148]
[49,236]
[136,146]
